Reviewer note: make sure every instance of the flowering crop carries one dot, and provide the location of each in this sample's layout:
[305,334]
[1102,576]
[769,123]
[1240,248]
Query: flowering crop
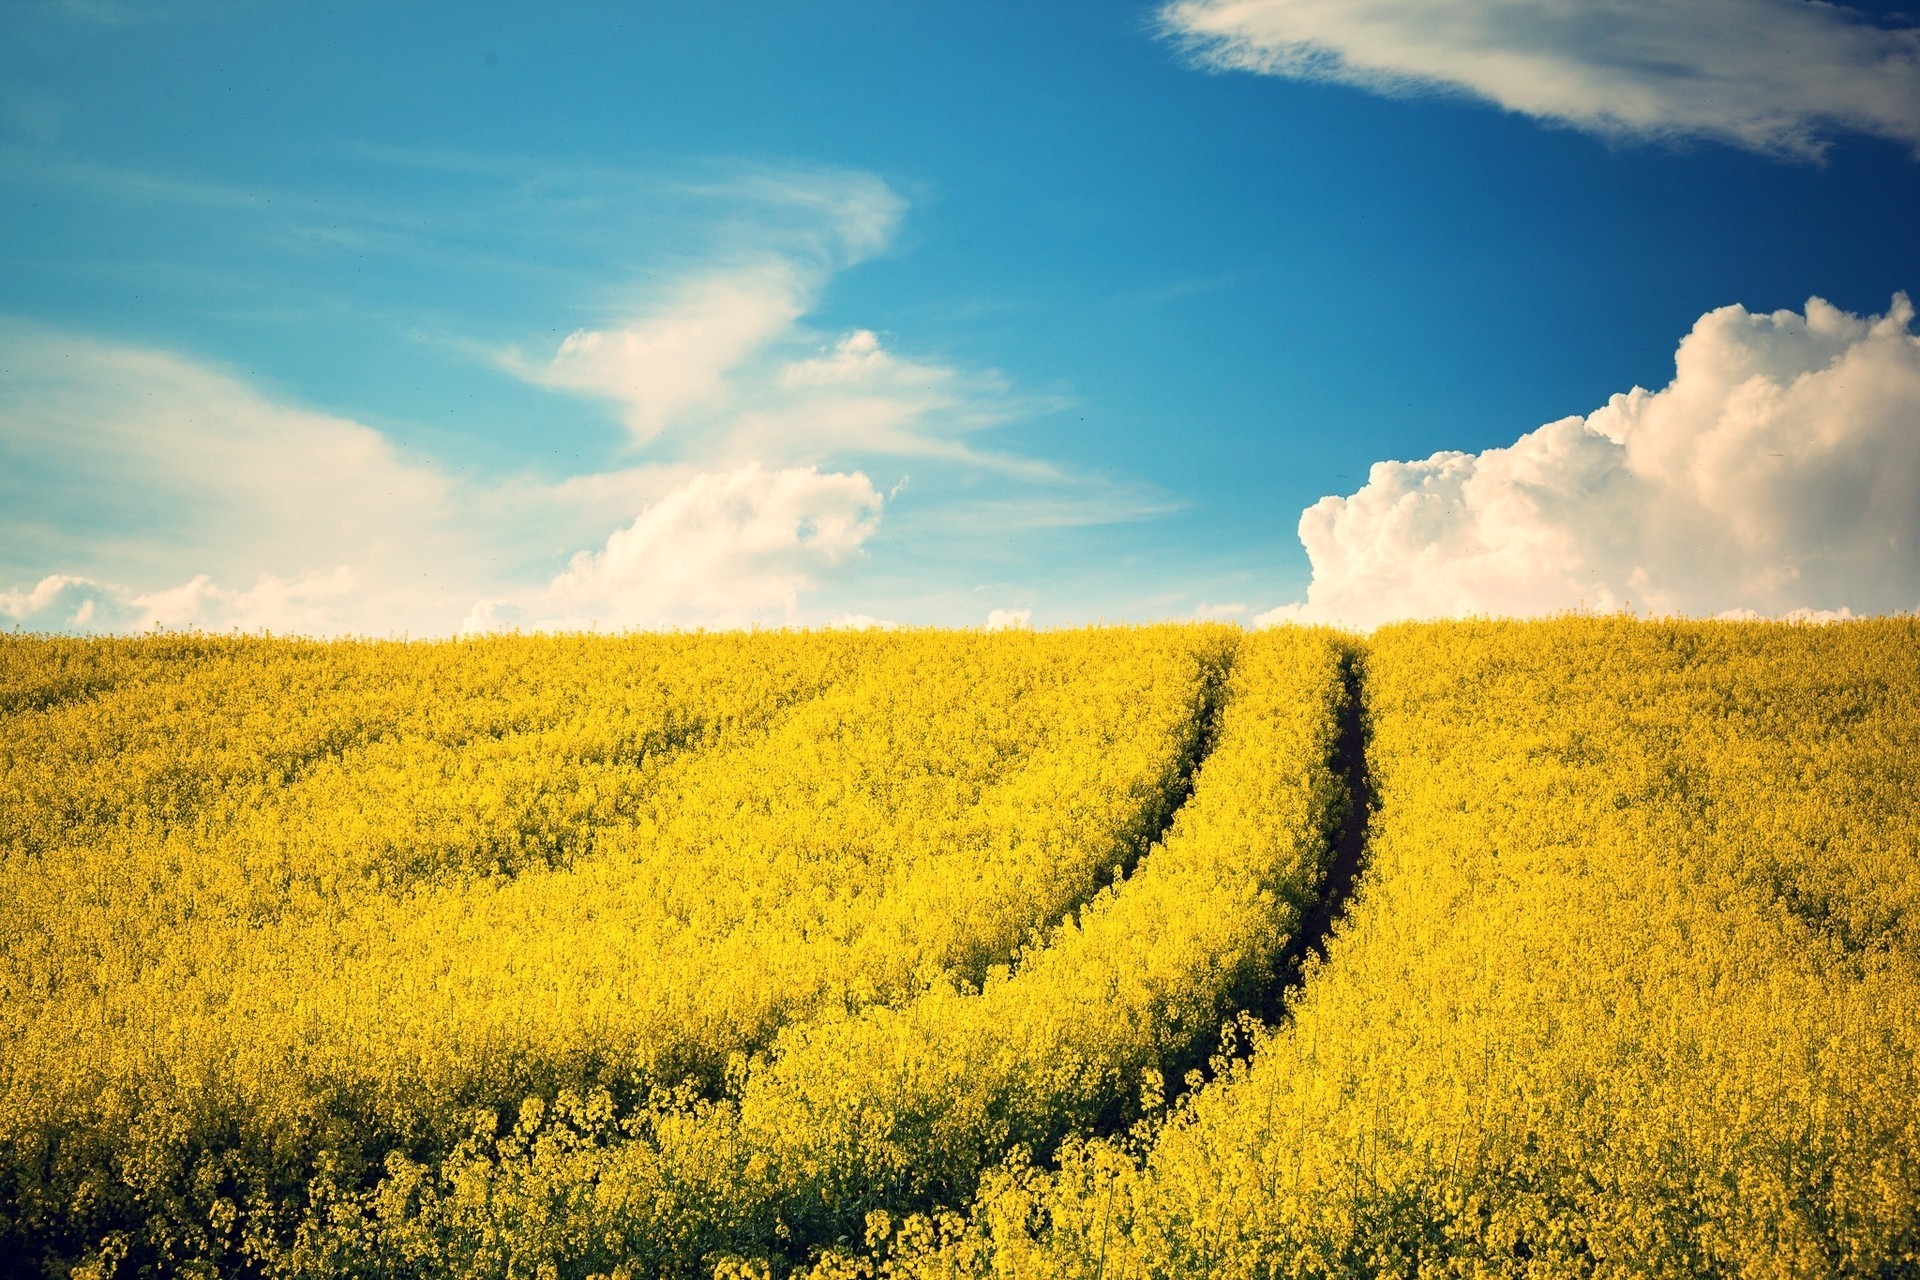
[899,1106]
[877,955]
[1631,987]
[272,910]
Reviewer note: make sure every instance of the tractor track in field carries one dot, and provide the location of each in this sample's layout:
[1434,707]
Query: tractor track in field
[1346,862]
[1349,853]
[1346,857]
[1157,821]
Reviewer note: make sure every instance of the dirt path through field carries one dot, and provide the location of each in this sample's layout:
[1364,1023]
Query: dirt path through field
[1349,847]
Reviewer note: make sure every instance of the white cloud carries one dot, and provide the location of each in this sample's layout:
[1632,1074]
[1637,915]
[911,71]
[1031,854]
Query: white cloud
[718,364]
[1805,617]
[308,603]
[723,367]
[857,359]
[658,367]
[1219,612]
[1778,472]
[142,490]
[60,602]
[720,550]
[172,494]
[1772,75]
[1009,619]
[833,217]
[315,603]
[861,622]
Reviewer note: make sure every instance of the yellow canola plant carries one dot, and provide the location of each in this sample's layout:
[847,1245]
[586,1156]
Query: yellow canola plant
[1631,988]
[900,1107]
[166,801]
[273,909]
[779,943]
[113,737]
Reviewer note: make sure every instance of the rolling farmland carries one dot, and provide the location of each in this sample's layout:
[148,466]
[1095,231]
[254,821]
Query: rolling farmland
[1578,947]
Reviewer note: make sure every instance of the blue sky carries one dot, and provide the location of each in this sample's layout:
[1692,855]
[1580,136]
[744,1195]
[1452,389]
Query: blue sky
[930,313]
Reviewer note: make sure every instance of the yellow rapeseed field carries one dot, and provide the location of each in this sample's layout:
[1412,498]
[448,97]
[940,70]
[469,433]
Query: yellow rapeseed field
[1631,988]
[900,1106]
[947,954]
[272,910]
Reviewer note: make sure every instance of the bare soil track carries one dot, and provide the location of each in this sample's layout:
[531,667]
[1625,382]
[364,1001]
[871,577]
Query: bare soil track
[1348,855]
[1346,860]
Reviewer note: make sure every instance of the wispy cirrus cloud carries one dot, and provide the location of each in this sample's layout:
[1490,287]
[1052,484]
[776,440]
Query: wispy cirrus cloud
[1775,76]
[719,361]
[142,487]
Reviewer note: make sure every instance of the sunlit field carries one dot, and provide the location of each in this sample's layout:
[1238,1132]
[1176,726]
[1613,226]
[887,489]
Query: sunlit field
[1583,947]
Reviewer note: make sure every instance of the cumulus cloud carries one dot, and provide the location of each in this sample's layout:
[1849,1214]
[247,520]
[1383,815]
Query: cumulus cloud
[1772,75]
[1009,619]
[61,602]
[720,550]
[309,603]
[1778,473]
[144,490]
[861,622]
[141,488]
[858,397]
